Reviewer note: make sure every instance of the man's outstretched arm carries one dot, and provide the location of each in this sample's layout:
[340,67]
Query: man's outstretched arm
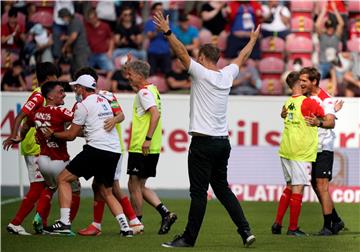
[246,51]
[177,47]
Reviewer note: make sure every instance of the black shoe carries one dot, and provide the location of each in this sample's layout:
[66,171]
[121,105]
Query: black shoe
[276,228]
[178,242]
[247,237]
[167,222]
[325,232]
[59,228]
[337,227]
[127,233]
[296,232]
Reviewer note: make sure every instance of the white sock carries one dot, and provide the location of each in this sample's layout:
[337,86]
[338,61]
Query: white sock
[65,216]
[134,221]
[123,222]
[97,225]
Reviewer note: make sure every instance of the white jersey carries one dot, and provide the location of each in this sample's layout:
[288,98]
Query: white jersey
[209,98]
[92,112]
[326,136]
[144,100]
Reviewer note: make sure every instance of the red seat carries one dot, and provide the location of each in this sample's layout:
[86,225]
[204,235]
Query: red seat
[301,24]
[195,21]
[299,47]
[354,45]
[306,6]
[353,6]
[271,65]
[355,28]
[44,18]
[21,19]
[159,82]
[271,87]
[272,47]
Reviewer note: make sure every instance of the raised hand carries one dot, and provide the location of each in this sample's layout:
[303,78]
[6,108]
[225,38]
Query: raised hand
[10,142]
[255,34]
[338,105]
[161,23]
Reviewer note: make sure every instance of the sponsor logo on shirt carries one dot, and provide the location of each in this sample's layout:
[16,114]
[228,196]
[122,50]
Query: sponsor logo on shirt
[29,105]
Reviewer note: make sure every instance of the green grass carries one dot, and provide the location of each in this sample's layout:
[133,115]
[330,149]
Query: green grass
[218,233]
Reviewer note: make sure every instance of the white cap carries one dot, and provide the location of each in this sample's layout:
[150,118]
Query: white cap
[85,80]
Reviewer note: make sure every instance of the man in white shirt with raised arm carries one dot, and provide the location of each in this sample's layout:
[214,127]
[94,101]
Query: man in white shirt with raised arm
[210,148]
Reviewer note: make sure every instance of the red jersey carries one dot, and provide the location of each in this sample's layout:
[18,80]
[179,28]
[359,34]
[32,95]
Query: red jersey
[54,118]
[310,107]
[35,101]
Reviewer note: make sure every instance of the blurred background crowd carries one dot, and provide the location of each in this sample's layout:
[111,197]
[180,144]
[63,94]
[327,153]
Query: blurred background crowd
[100,34]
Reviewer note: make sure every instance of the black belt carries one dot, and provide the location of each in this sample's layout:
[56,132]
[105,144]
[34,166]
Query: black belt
[211,137]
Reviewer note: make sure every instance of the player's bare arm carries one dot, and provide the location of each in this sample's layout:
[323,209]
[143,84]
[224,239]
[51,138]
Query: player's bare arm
[14,132]
[110,123]
[284,112]
[246,51]
[155,117]
[177,47]
[338,105]
[327,122]
[67,135]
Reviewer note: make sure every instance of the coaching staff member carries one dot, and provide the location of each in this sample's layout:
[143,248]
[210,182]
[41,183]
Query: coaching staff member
[210,148]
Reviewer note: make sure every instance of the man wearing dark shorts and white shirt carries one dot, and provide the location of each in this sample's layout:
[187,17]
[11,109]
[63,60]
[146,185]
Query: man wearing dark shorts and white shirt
[322,168]
[99,157]
[210,148]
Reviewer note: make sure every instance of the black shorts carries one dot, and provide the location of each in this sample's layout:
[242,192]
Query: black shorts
[142,166]
[95,162]
[322,167]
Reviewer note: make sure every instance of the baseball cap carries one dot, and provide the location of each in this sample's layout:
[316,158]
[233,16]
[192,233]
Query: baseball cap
[85,80]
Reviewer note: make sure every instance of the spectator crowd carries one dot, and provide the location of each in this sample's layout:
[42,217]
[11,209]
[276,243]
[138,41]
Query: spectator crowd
[100,34]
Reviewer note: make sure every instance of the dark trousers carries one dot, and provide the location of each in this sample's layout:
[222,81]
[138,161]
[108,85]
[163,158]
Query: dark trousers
[159,62]
[207,163]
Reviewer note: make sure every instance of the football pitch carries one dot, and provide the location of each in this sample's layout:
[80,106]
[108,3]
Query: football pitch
[218,233]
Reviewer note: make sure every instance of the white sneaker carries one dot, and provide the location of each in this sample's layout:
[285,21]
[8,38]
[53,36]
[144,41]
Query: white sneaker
[137,228]
[11,228]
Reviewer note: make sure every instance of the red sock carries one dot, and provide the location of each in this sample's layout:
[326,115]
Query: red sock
[295,209]
[99,207]
[283,205]
[75,204]
[28,202]
[44,204]
[127,207]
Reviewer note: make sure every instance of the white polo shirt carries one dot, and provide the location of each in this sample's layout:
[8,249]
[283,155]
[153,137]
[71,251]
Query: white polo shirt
[91,113]
[326,136]
[209,98]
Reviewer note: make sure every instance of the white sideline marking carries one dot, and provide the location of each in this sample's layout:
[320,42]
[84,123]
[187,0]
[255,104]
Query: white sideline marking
[4,202]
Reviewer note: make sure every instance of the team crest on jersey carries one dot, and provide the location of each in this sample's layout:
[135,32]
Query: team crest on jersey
[30,105]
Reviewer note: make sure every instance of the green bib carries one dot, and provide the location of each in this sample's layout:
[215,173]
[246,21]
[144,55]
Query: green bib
[141,124]
[299,141]
[28,146]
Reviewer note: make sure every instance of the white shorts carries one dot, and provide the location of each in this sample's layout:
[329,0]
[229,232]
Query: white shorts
[50,169]
[118,168]
[296,172]
[33,169]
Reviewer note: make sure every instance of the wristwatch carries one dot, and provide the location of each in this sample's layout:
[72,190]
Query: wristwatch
[148,138]
[168,33]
